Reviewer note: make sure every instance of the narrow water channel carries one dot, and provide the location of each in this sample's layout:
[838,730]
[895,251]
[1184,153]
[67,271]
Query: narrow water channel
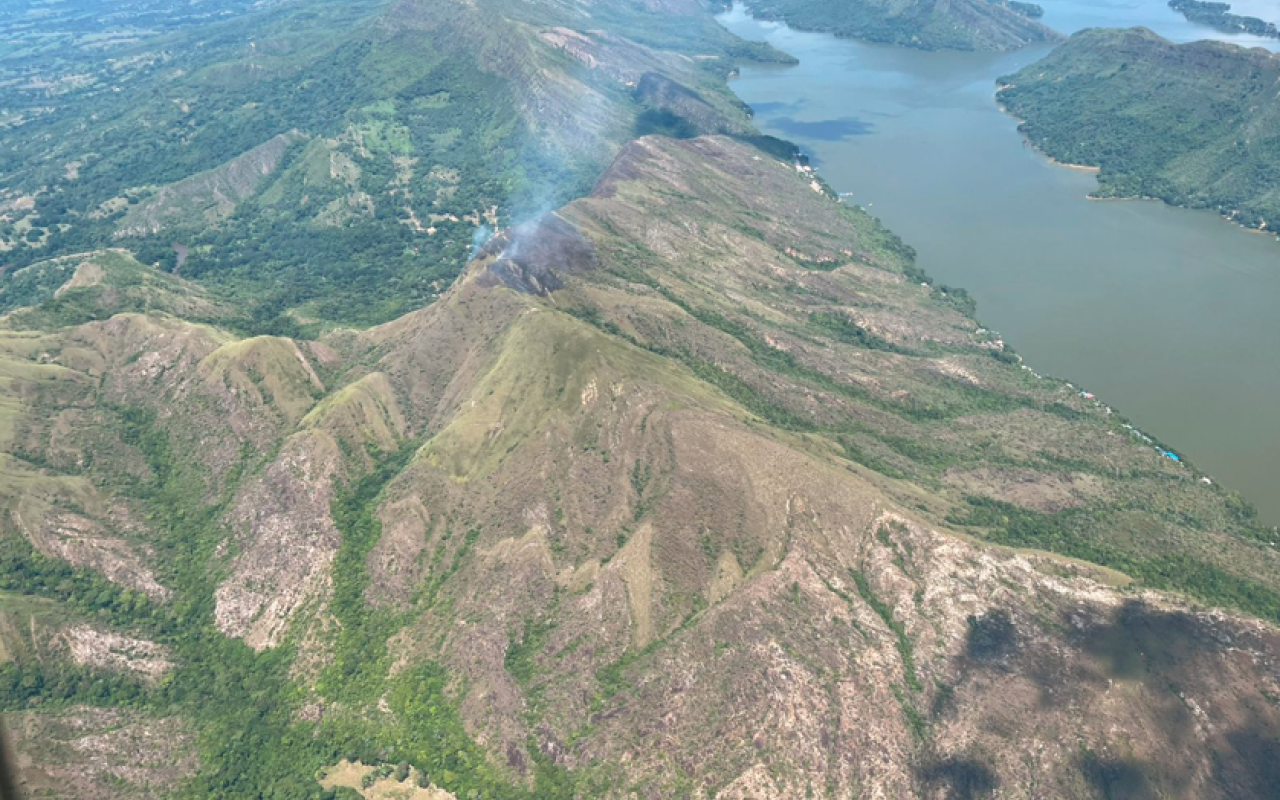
[1172,316]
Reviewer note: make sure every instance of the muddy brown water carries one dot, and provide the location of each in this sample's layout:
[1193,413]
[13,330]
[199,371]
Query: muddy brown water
[1171,316]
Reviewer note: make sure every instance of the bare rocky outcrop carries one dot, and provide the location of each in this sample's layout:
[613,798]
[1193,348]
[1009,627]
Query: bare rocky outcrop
[285,538]
[109,650]
[397,564]
[84,542]
[101,754]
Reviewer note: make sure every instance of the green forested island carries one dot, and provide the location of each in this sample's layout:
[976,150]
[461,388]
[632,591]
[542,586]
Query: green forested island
[1218,15]
[1195,124]
[926,24]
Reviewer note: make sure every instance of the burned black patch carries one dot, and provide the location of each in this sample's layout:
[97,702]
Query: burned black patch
[992,637]
[1140,640]
[1117,779]
[532,257]
[674,101]
[961,778]
[1250,765]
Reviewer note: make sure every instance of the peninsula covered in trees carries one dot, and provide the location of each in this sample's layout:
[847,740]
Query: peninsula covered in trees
[1218,15]
[923,24]
[1195,124]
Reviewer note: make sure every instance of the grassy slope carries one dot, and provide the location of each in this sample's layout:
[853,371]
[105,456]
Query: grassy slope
[902,383]
[927,24]
[1193,124]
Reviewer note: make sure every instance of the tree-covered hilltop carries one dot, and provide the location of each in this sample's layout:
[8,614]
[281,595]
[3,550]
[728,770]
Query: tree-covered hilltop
[925,24]
[1194,124]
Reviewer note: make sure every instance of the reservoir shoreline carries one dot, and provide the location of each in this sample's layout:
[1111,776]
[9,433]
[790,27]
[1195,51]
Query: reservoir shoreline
[1227,216]
[1162,312]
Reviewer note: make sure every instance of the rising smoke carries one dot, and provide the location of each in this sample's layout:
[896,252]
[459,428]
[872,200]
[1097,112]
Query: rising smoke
[478,238]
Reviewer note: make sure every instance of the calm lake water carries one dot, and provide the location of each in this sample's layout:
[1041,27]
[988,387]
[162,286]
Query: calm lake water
[1169,315]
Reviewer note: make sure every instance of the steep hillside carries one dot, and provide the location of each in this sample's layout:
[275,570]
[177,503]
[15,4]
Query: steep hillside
[926,24]
[1192,124]
[693,486]
[331,161]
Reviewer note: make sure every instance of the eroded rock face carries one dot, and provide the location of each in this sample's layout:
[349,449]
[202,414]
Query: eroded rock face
[398,564]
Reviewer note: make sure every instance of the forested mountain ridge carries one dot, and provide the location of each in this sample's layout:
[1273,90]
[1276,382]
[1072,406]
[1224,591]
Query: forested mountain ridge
[305,154]
[693,485]
[1193,124]
[926,24]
